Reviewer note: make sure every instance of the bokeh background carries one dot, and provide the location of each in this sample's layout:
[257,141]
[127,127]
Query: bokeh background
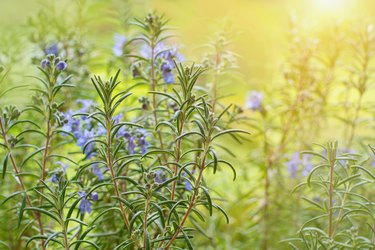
[258,31]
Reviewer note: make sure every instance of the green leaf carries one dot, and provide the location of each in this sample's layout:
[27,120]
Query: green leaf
[78,242]
[20,212]
[229,131]
[43,211]
[209,200]
[5,164]
[188,242]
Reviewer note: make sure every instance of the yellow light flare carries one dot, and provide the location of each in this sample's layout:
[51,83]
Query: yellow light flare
[329,5]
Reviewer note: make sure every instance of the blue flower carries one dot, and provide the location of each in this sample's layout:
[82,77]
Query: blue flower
[162,52]
[254,100]
[160,176]
[293,165]
[143,144]
[54,178]
[121,132]
[146,50]
[101,130]
[82,139]
[53,49]
[94,196]
[45,63]
[166,72]
[73,123]
[61,66]
[85,205]
[97,171]
[118,48]
[86,105]
[188,186]
[172,55]
[131,143]
[307,165]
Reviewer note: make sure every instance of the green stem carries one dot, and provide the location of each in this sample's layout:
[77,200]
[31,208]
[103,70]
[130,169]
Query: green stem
[113,175]
[193,199]
[18,174]
[145,222]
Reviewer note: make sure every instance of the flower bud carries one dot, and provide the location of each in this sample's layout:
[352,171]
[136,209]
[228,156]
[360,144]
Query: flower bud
[61,66]
[45,63]
[94,196]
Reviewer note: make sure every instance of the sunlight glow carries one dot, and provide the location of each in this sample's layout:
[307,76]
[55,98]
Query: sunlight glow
[329,5]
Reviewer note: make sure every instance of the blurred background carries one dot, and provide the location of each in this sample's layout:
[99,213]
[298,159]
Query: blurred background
[259,34]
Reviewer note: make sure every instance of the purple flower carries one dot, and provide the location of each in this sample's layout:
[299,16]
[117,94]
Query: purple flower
[166,72]
[146,50]
[73,123]
[293,165]
[60,66]
[85,205]
[160,176]
[54,178]
[94,196]
[118,48]
[121,132]
[82,139]
[101,130]
[307,165]
[143,143]
[53,49]
[188,186]
[131,143]
[97,171]
[172,55]
[86,105]
[162,52]
[254,100]
[45,63]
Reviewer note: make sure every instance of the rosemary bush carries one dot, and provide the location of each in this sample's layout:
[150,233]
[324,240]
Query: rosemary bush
[114,135]
[126,171]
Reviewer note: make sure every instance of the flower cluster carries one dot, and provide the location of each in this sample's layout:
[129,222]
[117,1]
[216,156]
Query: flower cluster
[53,63]
[165,58]
[85,130]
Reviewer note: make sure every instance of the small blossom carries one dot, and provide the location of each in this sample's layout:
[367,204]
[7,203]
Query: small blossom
[307,165]
[167,74]
[254,100]
[53,49]
[85,205]
[45,63]
[118,48]
[160,177]
[86,105]
[188,186]
[54,178]
[97,171]
[61,65]
[82,139]
[131,143]
[94,196]
[172,55]
[293,165]
[146,50]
